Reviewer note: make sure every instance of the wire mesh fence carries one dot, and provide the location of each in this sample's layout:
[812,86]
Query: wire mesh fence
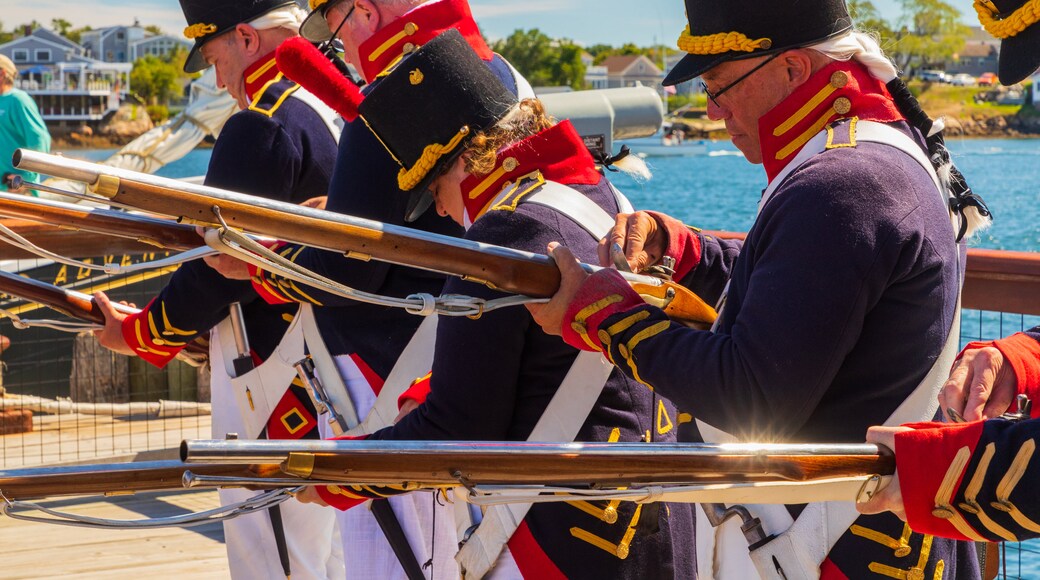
[67,399]
[1018,560]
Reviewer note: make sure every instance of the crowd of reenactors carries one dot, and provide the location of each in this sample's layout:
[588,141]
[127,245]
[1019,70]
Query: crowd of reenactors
[836,314]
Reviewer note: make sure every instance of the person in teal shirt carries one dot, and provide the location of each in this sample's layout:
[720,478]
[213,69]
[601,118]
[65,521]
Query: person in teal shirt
[20,123]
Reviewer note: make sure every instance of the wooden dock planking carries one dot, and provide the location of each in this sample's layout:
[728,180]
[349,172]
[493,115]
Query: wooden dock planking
[37,550]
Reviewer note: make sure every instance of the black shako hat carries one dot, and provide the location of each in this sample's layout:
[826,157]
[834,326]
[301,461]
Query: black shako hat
[723,30]
[315,27]
[428,106]
[1014,22]
[208,19]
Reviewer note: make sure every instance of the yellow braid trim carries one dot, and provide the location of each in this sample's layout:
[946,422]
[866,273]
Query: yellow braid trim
[196,30]
[1026,15]
[407,179]
[315,4]
[720,43]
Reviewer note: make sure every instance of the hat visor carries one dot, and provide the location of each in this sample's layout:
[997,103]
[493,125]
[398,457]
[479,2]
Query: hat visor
[421,197]
[315,27]
[195,61]
[694,65]
[1019,56]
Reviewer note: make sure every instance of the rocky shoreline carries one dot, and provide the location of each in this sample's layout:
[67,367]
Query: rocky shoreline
[118,129]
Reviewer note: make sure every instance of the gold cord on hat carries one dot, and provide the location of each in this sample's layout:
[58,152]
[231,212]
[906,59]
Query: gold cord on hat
[196,30]
[720,43]
[1025,16]
[407,179]
[315,4]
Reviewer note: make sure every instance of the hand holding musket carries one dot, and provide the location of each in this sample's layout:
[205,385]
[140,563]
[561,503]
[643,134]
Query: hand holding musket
[76,305]
[505,269]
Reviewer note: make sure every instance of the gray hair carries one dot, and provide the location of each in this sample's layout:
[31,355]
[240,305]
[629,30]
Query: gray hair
[288,17]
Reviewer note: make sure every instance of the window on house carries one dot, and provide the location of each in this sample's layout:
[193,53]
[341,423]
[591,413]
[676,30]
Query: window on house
[43,55]
[20,55]
[120,36]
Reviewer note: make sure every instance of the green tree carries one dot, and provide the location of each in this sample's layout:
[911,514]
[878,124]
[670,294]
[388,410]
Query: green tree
[153,29]
[868,19]
[5,36]
[76,35]
[542,60]
[61,26]
[931,34]
[154,80]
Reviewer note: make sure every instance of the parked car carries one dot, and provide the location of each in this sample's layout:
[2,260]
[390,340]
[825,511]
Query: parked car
[962,80]
[987,79]
[932,76]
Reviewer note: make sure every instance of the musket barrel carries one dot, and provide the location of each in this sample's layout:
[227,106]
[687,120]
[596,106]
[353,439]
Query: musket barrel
[446,463]
[504,268]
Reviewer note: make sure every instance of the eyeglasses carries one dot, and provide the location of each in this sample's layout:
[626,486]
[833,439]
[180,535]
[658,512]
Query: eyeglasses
[328,43]
[715,96]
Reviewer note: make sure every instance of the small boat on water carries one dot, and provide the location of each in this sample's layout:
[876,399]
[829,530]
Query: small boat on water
[667,142]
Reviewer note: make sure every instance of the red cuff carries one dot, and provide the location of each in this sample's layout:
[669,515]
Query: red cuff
[137,332]
[265,288]
[418,391]
[924,456]
[601,295]
[339,497]
[683,245]
[1023,353]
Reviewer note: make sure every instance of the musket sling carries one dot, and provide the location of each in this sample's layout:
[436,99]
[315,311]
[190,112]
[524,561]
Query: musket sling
[569,407]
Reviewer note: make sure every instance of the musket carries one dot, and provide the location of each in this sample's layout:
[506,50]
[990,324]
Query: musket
[505,269]
[66,242]
[146,231]
[126,478]
[472,463]
[69,302]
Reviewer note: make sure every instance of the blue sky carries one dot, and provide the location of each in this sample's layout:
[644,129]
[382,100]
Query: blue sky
[606,21]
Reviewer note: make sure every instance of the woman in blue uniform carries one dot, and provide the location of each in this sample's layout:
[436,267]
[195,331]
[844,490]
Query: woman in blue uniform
[487,160]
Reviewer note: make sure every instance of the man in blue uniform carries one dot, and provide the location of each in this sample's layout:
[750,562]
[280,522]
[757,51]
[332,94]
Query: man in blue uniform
[281,145]
[365,341]
[499,377]
[837,305]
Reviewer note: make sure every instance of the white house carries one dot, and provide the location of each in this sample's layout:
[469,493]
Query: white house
[66,84]
[631,70]
[157,45]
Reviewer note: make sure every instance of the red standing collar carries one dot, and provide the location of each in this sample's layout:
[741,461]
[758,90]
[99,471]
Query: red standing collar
[557,152]
[259,74]
[416,28]
[839,90]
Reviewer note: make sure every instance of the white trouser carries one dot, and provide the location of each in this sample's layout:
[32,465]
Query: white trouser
[311,535]
[366,551]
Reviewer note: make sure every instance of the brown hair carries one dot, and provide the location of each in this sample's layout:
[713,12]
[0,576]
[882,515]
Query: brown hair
[527,119]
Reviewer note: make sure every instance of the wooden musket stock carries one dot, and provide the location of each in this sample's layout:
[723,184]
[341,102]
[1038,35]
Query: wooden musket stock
[116,479]
[509,270]
[155,232]
[73,304]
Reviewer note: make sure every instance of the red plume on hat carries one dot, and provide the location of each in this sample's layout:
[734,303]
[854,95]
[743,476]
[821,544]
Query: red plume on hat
[305,65]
